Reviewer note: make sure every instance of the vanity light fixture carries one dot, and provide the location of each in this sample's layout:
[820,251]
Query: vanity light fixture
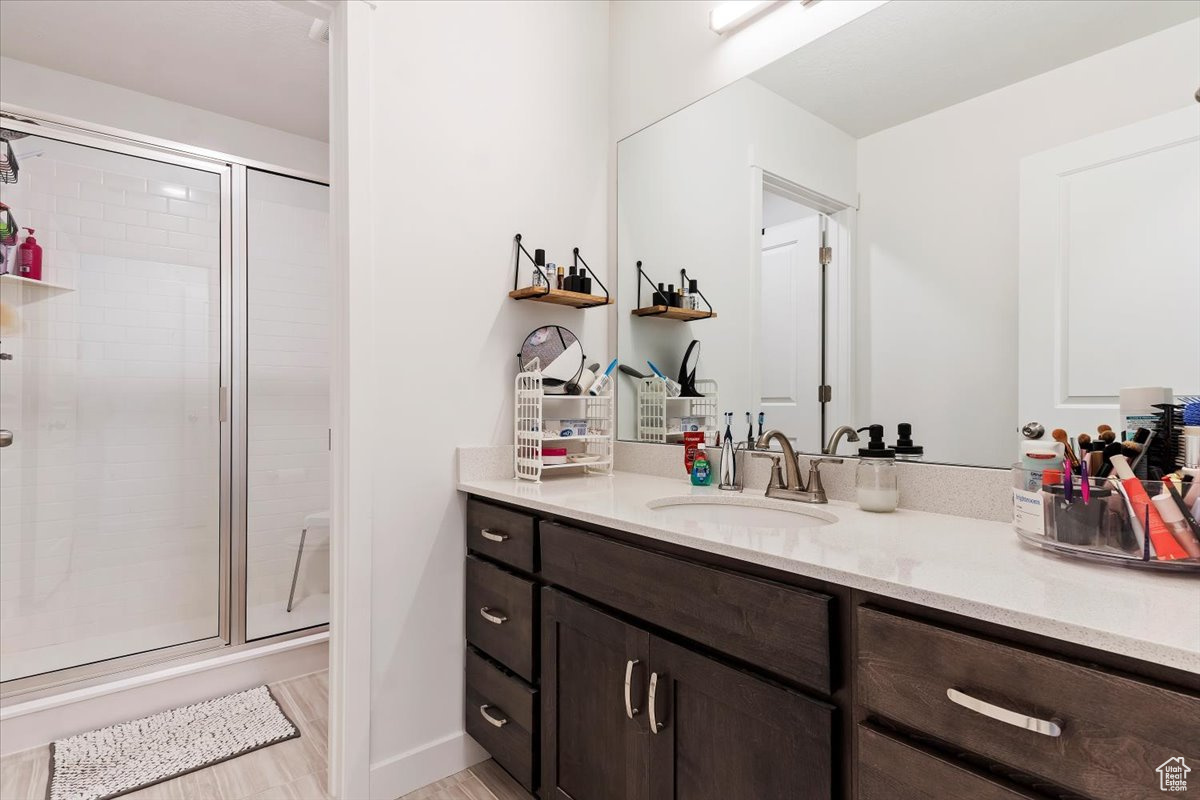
[728,16]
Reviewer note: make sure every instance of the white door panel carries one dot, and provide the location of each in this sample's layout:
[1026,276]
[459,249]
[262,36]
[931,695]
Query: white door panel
[1110,270]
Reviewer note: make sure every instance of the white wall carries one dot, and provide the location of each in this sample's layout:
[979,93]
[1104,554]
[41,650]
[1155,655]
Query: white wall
[35,88]
[465,152]
[688,199]
[664,56]
[938,239]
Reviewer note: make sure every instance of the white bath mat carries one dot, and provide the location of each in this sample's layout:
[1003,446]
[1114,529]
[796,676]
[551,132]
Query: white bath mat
[109,762]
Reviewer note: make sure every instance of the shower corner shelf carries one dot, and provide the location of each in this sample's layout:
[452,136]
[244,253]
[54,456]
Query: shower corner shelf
[671,312]
[529,422]
[559,297]
[8,279]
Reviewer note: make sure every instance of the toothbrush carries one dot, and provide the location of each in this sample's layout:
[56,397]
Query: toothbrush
[749,429]
[761,419]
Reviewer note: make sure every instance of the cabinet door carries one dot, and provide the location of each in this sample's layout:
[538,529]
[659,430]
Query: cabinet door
[723,734]
[594,740]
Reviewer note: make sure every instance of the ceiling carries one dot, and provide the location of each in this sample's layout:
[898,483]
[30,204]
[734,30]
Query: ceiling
[250,59]
[908,58]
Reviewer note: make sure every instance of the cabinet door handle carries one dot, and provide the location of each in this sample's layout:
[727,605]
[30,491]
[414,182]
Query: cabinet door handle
[655,725]
[493,536]
[499,722]
[630,711]
[1045,727]
[494,618]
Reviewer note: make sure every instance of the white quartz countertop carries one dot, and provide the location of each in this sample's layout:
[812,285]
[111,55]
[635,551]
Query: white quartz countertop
[975,568]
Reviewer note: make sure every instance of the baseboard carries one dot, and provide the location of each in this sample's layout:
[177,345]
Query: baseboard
[397,776]
[37,722]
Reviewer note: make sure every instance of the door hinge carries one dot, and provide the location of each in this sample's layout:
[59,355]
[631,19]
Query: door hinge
[826,255]
[824,393]
[329,441]
[223,404]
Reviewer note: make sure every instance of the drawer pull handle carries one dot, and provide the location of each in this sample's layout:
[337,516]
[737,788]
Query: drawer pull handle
[493,536]
[655,725]
[499,722]
[630,711]
[494,618]
[1043,726]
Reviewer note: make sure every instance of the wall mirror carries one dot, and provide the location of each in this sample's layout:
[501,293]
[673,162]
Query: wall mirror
[955,214]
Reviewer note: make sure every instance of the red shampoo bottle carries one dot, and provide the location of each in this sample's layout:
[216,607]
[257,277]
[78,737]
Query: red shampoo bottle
[29,258]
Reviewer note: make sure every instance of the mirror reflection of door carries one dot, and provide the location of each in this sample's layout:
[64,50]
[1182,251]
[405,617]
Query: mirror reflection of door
[790,338]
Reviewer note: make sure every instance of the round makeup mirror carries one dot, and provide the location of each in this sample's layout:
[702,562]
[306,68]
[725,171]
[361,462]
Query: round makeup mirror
[559,354]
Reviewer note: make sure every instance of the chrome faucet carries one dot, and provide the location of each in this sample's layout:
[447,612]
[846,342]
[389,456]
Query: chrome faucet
[787,485]
[844,430]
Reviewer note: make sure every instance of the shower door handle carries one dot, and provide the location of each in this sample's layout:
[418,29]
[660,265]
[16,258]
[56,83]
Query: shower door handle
[6,438]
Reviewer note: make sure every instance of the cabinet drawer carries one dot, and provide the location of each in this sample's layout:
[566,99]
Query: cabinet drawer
[500,715]
[501,534]
[892,769]
[775,627]
[500,614]
[1099,733]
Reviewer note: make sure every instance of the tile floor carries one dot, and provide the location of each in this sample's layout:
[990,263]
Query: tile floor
[291,770]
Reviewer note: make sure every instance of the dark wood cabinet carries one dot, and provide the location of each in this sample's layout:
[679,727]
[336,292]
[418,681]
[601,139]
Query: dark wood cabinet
[630,716]
[594,741]
[724,734]
[627,669]
[1083,729]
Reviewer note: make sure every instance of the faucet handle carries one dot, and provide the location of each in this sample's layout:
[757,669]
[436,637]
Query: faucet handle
[776,481]
[814,475]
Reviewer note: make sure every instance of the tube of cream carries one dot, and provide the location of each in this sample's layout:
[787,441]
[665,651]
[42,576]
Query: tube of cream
[1164,543]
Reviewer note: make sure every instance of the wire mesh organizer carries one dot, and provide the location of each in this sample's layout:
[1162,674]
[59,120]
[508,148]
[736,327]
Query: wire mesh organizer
[591,451]
[656,411]
[1110,526]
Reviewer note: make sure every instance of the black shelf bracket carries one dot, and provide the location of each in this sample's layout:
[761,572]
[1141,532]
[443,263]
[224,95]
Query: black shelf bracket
[517,266]
[683,278]
[578,259]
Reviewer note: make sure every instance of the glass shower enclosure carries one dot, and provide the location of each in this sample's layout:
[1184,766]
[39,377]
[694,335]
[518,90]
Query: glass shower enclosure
[164,397]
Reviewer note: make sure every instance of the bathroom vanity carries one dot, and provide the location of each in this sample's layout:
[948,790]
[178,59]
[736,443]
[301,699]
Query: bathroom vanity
[625,642]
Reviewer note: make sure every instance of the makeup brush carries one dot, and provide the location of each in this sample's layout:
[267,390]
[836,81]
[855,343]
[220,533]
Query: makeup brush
[1107,436]
[1085,443]
[1111,449]
[1060,436]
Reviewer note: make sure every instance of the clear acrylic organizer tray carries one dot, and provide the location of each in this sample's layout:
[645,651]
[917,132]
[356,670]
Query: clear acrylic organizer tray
[1103,530]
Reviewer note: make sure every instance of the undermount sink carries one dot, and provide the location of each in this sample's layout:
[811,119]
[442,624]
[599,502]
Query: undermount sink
[747,511]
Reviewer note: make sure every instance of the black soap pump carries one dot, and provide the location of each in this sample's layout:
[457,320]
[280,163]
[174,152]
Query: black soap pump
[905,449]
[876,447]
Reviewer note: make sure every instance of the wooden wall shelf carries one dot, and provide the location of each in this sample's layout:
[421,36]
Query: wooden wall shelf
[560,297]
[671,312]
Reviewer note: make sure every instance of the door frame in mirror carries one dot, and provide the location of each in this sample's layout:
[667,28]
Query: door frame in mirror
[837,343]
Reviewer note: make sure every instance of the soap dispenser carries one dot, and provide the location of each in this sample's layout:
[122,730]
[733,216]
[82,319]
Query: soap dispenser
[905,449]
[876,488]
[29,258]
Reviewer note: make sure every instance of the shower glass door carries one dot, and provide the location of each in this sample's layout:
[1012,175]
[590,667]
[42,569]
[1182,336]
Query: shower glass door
[114,519]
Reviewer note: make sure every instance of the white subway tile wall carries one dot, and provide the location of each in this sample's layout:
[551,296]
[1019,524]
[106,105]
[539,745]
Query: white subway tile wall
[288,380]
[109,496]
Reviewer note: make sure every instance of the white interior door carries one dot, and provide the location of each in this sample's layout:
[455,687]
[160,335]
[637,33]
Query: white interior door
[790,336]
[1110,270]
